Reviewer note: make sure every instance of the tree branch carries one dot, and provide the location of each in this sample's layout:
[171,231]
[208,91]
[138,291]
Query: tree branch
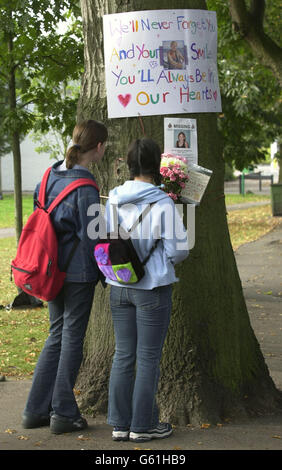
[249,24]
[54,60]
[239,16]
[257,11]
[23,105]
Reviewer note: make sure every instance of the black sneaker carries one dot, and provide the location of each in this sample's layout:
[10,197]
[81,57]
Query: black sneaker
[31,420]
[61,424]
[161,431]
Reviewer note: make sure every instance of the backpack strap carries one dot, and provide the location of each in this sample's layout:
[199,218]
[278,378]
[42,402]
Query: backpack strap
[151,251]
[43,186]
[141,216]
[137,222]
[66,191]
[69,188]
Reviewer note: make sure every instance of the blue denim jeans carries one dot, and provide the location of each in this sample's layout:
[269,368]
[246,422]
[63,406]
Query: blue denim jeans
[141,319]
[59,362]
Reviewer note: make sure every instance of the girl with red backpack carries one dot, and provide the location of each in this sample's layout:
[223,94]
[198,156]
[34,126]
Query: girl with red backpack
[51,399]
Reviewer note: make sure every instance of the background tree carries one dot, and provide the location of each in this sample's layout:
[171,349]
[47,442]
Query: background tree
[4,144]
[34,59]
[252,110]
[248,21]
[53,132]
[212,366]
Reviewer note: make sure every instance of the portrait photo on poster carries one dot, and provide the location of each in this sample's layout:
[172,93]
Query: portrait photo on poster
[173,55]
[180,138]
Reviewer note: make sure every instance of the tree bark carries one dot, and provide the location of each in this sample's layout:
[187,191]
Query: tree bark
[211,359]
[1,193]
[249,24]
[278,156]
[15,137]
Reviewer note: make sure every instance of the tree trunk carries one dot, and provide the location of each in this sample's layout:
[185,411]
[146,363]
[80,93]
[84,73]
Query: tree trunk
[1,193]
[278,156]
[211,359]
[17,184]
[15,141]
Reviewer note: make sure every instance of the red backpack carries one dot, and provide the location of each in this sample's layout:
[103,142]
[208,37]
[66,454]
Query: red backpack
[35,267]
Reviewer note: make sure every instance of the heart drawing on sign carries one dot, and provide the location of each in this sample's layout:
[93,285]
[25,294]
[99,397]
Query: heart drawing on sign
[215,95]
[124,99]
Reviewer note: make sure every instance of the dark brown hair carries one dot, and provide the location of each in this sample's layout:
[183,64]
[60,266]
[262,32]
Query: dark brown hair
[86,136]
[144,158]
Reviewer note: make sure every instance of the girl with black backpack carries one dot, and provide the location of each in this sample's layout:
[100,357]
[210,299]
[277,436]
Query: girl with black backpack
[141,311]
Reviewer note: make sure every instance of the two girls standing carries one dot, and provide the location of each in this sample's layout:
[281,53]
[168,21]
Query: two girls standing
[141,312]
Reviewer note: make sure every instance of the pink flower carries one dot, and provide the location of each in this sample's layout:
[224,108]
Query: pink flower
[182,184]
[172,177]
[164,171]
[167,155]
[173,196]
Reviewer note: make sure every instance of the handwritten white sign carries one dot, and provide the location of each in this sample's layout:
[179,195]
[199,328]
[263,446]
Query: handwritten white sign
[161,62]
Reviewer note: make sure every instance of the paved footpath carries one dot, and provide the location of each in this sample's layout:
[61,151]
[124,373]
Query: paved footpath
[260,268]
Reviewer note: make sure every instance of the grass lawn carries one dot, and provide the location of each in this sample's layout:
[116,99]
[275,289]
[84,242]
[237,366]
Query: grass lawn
[7,210]
[247,225]
[240,199]
[23,331]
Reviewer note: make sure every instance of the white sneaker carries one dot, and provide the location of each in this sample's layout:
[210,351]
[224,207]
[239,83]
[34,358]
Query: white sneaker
[119,435]
[159,432]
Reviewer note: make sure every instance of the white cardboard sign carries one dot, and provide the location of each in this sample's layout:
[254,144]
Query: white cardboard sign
[161,62]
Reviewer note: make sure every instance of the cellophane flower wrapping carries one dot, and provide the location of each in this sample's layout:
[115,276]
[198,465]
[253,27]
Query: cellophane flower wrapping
[174,175]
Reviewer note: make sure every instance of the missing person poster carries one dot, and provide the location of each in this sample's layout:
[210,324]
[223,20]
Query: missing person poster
[161,62]
[180,138]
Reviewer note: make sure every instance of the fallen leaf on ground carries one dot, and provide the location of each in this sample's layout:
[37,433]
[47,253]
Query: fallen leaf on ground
[11,431]
[23,438]
[277,437]
[83,438]
[205,425]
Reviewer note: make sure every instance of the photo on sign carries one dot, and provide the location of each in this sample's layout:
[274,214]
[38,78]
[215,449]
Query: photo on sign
[182,139]
[173,55]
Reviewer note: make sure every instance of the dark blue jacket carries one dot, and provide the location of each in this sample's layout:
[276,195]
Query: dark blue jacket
[70,221]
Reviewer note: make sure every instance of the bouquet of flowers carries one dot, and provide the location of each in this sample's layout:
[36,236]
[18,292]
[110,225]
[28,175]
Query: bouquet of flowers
[174,175]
